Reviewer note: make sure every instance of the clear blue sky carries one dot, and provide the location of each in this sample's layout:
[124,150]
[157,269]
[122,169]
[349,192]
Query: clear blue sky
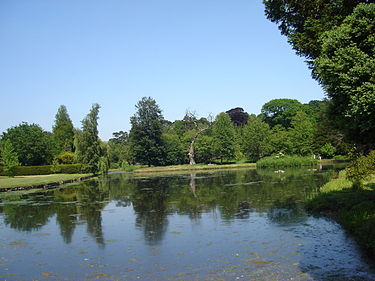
[203,55]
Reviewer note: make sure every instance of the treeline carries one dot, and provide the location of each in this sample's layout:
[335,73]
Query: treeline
[285,126]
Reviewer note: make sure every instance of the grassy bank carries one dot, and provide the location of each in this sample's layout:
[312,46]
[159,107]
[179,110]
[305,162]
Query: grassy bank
[353,209]
[194,167]
[30,181]
[286,161]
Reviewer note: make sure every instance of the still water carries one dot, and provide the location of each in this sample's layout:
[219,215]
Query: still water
[227,225]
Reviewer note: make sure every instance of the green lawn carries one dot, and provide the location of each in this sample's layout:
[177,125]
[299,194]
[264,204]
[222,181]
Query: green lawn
[21,181]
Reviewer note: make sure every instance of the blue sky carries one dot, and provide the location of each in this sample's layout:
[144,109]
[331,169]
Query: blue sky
[207,56]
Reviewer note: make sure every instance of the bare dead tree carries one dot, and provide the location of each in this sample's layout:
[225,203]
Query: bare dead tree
[199,129]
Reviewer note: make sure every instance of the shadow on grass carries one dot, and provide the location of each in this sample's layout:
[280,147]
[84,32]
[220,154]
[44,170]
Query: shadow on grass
[354,210]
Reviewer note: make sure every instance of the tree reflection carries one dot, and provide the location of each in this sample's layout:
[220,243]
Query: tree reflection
[286,212]
[150,203]
[233,194]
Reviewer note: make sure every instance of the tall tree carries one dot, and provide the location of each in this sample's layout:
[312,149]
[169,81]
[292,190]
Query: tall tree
[88,144]
[223,137]
[281,111]
[30,143]
[337,36]
[63,134]
[303,21]
[301,134]
[256,139]
[346,70]
[146,133]
[9,158]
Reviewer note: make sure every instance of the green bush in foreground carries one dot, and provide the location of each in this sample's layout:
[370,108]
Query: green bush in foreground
[281,160]
[361,169]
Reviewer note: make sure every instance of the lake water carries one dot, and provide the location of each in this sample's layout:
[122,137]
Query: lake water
[226,225]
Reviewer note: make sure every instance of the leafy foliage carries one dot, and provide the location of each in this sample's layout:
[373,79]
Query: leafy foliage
[146,133]
[238,116]
[327,150]
[301,134]
[9,158]
[65,158]
[256,139]
[30,143]
[303,21]
[281,111]
[223,137]
[360,169]
[338,39]
[346,70]
[63,134]
[88,149]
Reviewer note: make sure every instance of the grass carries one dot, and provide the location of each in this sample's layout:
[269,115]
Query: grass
[286,161]
[23,181]
[194,167]
[353,208]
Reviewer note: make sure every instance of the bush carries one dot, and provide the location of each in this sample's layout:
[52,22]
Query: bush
[361,169]
[282,160]
[65,158]
[327,150]
[45,170]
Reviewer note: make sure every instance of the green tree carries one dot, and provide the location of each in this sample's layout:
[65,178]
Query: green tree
[338,39]
[119,149]
[204,149]
[256,139]
[175,150]
[280,141]
[303,21]
[346,70]
[88,149]
[223,137]
[302,134]
[327,150]
[30,143]
[63,134]
[9,158]
[146,133]
[281,111]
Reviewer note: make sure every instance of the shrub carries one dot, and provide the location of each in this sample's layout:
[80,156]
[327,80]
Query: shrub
[327,150]
[45,170]
[65,158]
[361,169]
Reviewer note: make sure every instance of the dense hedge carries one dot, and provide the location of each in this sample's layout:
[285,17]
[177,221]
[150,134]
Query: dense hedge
[45,170]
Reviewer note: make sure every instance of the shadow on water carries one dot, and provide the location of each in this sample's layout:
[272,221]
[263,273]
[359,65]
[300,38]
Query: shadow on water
[258,205]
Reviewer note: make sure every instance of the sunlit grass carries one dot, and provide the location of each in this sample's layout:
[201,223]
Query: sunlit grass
[353,208]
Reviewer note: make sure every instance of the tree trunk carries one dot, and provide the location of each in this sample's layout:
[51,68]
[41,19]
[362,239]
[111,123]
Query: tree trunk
[192,153]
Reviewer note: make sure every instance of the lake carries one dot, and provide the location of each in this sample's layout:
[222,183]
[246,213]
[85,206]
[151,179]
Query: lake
[222,225]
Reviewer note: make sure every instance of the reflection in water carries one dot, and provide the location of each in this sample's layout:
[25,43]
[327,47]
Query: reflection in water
[239,223]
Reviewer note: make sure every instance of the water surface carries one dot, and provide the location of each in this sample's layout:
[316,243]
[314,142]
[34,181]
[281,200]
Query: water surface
[226,225]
